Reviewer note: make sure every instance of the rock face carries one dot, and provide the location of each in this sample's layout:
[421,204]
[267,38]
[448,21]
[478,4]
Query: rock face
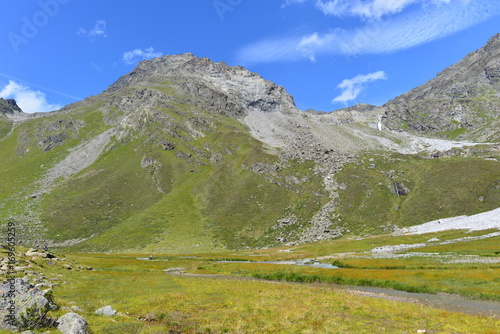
[72,323]
[229,90]
[23,306]
[9,107]
[460,102]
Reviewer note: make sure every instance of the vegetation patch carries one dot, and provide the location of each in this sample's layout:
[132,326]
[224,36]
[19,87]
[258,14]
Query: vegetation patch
[432,189]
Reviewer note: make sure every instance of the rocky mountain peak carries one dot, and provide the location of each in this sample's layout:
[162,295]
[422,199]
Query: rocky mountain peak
[201,77]
[458,101]
[9,107]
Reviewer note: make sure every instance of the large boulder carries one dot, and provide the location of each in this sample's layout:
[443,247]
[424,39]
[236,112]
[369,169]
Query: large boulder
[72,323]
[23,306]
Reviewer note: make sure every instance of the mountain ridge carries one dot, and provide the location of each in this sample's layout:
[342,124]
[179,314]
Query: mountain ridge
[184,154]
[459,102]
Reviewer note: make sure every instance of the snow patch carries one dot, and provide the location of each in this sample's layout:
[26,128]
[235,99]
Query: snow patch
[482,221]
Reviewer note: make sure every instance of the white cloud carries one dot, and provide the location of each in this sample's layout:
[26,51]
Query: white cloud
[351,88]
[99,30]
[406,28]
[134,56]
[96,67]
[291,2]
[30,101]
[367,9]
[363,8]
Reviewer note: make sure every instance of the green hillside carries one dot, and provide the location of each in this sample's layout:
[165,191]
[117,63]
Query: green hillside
[181,180]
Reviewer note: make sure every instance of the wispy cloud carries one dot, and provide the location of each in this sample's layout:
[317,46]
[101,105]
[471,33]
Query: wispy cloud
[351,88]
[378,32]
[29,100]
[366,9]
[363,8]
[98,31]
[96,67]
[134,56]
[292,2]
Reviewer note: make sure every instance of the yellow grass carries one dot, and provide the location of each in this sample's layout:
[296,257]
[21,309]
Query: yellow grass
[140,289]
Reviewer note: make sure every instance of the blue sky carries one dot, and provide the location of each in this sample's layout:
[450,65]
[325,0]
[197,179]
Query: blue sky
[326,53]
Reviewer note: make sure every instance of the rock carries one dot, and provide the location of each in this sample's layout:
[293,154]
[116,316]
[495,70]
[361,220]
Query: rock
[458,100]
[167,146]
[73,323]
[76,308]
[400,189]
[33,252]
[290,220]
[50,256]
[265,168]
[9,106]
[106,310]
[23,306]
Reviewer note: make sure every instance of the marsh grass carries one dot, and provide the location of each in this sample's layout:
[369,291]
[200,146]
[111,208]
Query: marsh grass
[170,304]
[431,273]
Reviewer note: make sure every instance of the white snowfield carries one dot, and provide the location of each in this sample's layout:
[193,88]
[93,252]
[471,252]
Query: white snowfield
[482,221]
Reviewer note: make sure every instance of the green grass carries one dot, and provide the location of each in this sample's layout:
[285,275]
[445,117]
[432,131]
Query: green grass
[415,274]
[477,281]
[140,290]
[23,160]
[439,188]
[201,196]
[5,127]
[486,248]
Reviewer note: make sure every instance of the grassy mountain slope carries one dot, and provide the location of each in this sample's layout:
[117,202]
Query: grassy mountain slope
[433,189]
[174,177]
[169,159]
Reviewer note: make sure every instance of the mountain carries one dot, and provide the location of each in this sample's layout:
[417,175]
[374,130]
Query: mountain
[462,102]
[184,154]
[9,107]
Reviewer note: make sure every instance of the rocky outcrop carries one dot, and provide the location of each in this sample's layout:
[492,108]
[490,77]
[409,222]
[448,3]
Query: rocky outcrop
[9,107]
[24,306]
[461,102]
[231,91]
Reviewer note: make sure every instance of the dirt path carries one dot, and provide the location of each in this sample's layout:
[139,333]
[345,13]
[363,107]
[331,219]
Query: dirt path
[449,302]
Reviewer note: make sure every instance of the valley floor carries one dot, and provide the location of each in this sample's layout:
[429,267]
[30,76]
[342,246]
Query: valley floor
[341,286]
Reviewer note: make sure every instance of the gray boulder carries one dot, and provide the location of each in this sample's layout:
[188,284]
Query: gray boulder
[23,306]
[76,308]
[72,323]
[106,310]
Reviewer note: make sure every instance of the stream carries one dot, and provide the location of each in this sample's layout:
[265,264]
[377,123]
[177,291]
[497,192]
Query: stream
[449,302]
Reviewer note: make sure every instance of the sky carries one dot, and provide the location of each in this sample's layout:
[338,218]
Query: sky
[328,54]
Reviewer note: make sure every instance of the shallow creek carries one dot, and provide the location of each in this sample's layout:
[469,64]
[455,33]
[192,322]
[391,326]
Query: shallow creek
[445,301]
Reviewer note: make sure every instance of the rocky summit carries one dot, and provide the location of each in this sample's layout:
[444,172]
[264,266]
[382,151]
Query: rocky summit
[184,154]
[9,107]
[462,102]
